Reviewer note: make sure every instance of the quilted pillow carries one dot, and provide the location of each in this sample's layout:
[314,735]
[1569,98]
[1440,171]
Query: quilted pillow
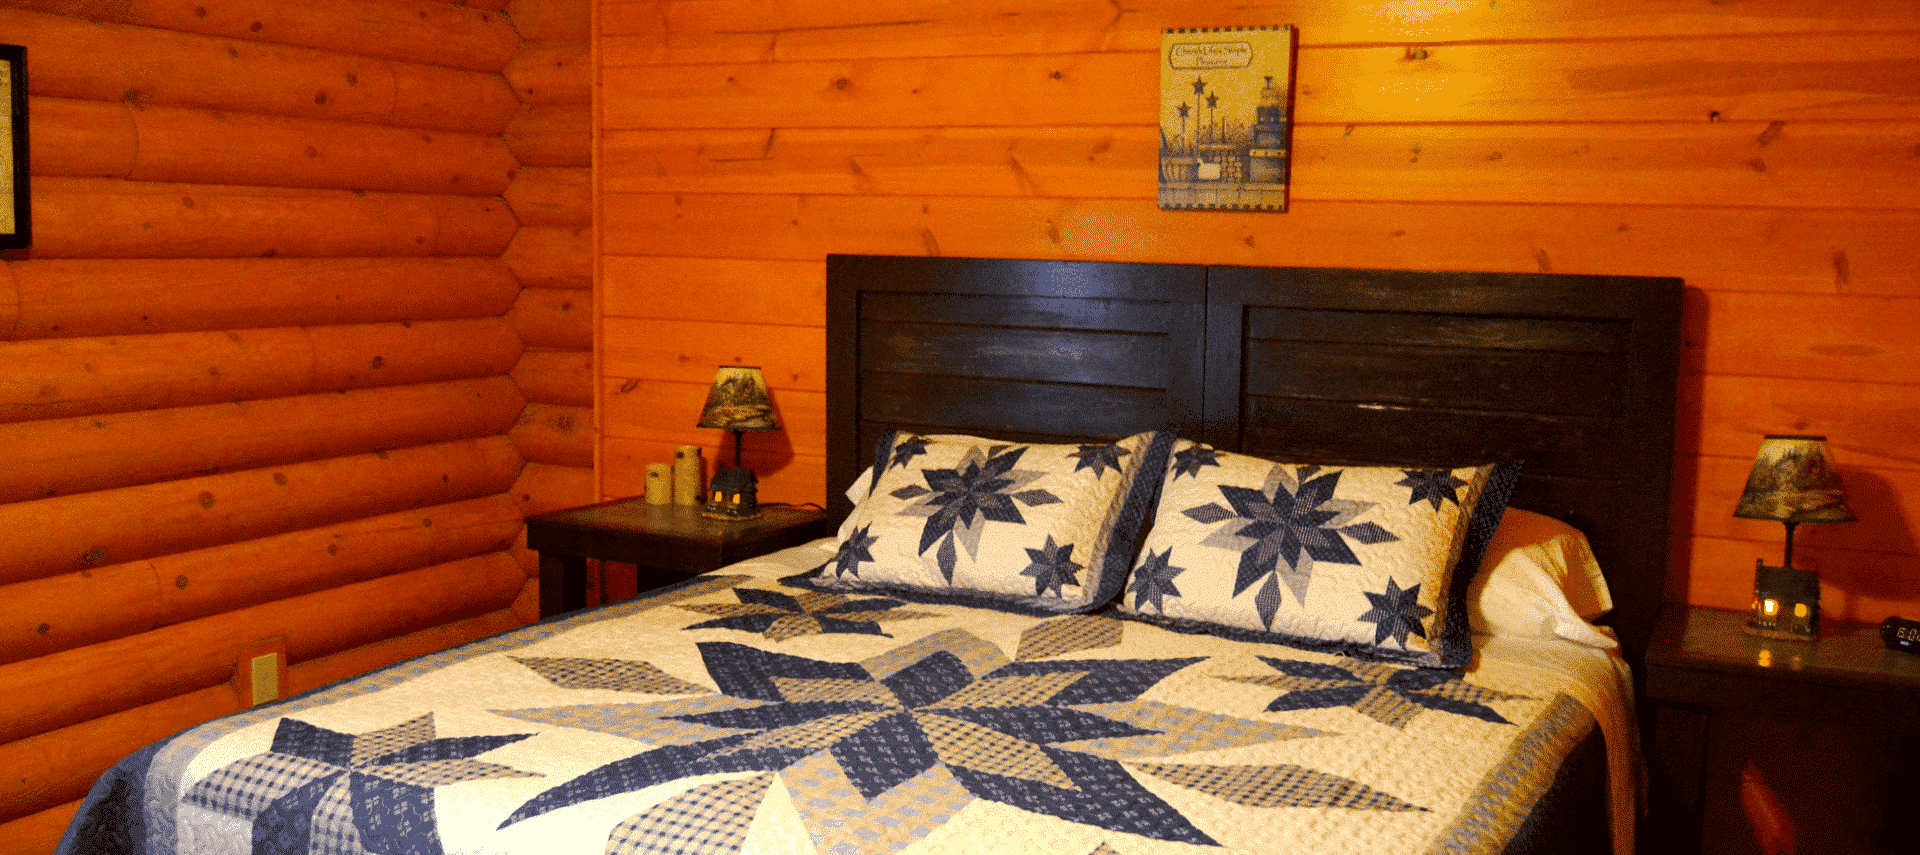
[1051,528]
[1372,561]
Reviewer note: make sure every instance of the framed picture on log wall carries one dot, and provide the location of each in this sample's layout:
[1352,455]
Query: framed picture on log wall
[15,217]
[1226,117]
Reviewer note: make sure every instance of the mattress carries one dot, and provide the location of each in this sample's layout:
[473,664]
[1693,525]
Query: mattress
[732,713]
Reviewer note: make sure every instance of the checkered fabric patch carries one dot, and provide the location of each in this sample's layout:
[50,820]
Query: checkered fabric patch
[1280,785]
[1020,690]
[840,820]
[439,773]
[963,743]
[374,743]
[1070,634]
[978,655]
[788,627]
[333,831]
[620,675]
[1180,730]
[246,787]
[798,690]
[711,819]
[816,734]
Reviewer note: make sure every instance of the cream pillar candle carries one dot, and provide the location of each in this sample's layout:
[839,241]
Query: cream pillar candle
[688,489]
[659,484]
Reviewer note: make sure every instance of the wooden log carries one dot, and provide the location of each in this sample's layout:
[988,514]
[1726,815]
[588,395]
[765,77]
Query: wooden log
[61,764]
[1787,164]
[59,457]
[346,357]
[526,607]
[57,767]
[488,5]
[104,218]
[799,478]
[552,135]
[111,526]
[556,434]
[112,62]
[1864,587]
[184,657]
[556,377]
[550,257]
[714,289]
[39,832]
[552,196]
[1819,337]
[1503,82]
[547,317]
[187,146]
[793,358]
[60,378]
[472,226]
[544,487]
[552,72]
[87,297]
[9,300]
[552,20]
[87,139]
[422,31]
[42,616]
[1816,250]
[932,28]
[71,610]
[666,411]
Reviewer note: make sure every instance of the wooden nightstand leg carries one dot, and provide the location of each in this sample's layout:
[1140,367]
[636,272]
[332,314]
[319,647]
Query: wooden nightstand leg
[563,583]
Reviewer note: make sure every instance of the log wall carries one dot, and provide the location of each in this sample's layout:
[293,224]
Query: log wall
[1762,150]
[265,372]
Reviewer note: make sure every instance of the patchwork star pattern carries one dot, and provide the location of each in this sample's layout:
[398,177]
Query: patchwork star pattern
[958,502]
[1052,568]
[1188,461]
[1295,520]
[855,550]
[1153,580]
[1099,458]
[780,616]
[1396,613]
[942,721]
[1434,485]
[907,450]
[320,790]
[1389,695]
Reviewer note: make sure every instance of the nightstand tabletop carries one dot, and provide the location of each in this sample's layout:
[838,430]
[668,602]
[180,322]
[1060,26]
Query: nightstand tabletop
[632,531]
[1846,654]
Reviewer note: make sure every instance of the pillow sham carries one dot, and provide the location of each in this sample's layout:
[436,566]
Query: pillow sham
[1372,561]
[948,517]
[1539,579]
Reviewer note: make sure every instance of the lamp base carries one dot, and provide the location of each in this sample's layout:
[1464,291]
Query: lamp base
[1786,603]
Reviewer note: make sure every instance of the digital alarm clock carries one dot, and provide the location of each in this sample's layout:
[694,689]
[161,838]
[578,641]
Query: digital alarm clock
[1898,633]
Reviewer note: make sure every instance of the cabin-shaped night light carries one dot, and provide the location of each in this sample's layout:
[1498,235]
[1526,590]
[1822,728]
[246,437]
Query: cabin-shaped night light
[1793,482]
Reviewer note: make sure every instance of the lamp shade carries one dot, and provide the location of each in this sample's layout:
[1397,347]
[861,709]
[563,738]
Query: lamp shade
[739,401]
[1793,481]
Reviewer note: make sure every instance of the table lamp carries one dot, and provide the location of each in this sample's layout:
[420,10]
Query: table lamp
[1793,481]
[737,402]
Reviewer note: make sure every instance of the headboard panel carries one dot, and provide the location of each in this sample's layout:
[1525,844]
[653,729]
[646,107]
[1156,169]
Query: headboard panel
[1574,374]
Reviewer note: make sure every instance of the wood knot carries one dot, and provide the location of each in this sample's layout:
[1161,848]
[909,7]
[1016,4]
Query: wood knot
[842,84]
[94,555]
[206,499]
[180,581]
[43,629]
[280,478]
[379,362]
[320,98]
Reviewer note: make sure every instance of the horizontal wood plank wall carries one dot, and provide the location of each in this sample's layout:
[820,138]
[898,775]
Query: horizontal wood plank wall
[260,374]
[1764,151]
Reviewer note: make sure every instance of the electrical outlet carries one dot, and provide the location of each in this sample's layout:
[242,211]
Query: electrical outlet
[265,684]
[260,671]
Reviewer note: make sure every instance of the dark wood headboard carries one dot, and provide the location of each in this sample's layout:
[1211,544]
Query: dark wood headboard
[1574,374]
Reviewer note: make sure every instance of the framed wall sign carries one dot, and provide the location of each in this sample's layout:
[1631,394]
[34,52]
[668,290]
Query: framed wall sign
[16,229]
[1226,117]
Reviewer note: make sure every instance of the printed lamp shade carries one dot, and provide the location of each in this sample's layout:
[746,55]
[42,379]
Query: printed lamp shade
[738,401]
[1793,481]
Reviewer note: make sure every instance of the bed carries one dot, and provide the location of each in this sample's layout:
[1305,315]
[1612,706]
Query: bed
[1176,421]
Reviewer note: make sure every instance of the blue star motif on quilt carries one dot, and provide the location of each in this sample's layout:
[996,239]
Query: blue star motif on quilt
[319,790]
[780,616]
[1099,458]
[1295,521]
[1153,580]
[1434,485]
[1189,460]
[1392,696]
[948,712]
[907,450]
[1052,568]
[958,502]
[857,548]
[1396,613]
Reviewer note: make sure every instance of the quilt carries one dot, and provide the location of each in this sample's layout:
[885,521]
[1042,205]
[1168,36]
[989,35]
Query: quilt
[735,714]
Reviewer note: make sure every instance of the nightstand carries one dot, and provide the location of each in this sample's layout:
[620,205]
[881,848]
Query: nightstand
[665,543]
[1832,724]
